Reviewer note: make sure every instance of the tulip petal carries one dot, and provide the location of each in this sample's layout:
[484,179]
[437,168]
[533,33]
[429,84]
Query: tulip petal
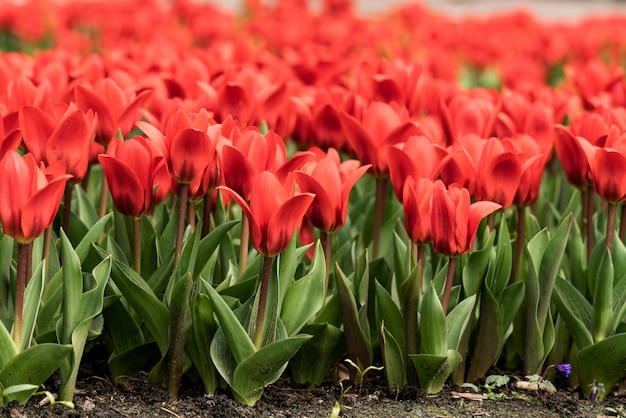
[36,127]
[41,208]
[609,175]
[126,189]
[283,223]
[190,153]
[322,212]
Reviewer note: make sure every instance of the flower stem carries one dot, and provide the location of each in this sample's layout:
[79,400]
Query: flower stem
[45,252]
[379,211]
[519,244]
[610,225]
[137,245]
[590,204]
[191,215]
[104,197]
[23,253]
[182,211]
[260,316]
[327,245]
[206,214]
[243,243]
[67,207]
[449,280]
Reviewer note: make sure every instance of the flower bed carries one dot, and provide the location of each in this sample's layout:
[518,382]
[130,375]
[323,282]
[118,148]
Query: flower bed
[221,196]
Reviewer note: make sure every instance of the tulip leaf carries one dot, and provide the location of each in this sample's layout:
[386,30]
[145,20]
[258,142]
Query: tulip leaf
[575,311]
[286,265]
[393,359]
[602,312]
[401,259]
[476,267]
[72,289]
[179,314]
[209,244]
[305,297]
[198,343]
[489,336]
[6,252]
[434,334]
[122,328]
[32,302]
[603,363]
[236,335]
[140,297]
[619,302]
[32,366]
[457,320]
[433,370]
[389,312]
[312,362]
[357,341]
[8,350]
[86,211]
[265,366]
[510,301]
[124,365]
[503,261]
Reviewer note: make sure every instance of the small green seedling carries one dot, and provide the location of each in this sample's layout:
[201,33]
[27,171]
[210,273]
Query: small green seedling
[360,373]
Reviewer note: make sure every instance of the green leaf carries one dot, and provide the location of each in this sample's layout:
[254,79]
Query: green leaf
[602,363]
[125,365]
[433,371]
[72,289]
[476,266]
[32,366]
[393,359]
[602,312]
[575,310]
[209,244]
[140,297]
[357,341]
[86,211]
[389,312]
[434,335]
[457,320]
[305,297]
[32,302]
[203,328]
[179,311]
[489,336]
[504,259]
[265,366]
[238,339]
[8,350]
[312,362]
[286,265]
[619,302]
[510,301]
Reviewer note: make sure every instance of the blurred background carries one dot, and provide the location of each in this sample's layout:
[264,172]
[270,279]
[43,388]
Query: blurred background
[546,9]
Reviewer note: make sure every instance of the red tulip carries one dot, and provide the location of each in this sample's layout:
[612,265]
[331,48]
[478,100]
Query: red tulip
[63,133]
[498,173]
[381,126]
[134,173]
[418,157]
[117,110]
[274,213]
[30,198]
[331,181]
[469,114]
[570,150]
[417,202]
[455,220]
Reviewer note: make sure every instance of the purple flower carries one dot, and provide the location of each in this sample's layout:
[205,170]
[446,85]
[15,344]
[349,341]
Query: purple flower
[564,368]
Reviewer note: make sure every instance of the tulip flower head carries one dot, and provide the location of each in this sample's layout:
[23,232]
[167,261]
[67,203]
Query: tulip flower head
[30,197]
[455,220]
[274,213]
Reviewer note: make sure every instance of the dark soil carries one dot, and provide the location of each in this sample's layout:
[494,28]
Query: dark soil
[97,396]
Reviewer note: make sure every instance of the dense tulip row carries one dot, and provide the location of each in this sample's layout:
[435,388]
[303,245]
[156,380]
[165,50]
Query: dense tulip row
[280,113]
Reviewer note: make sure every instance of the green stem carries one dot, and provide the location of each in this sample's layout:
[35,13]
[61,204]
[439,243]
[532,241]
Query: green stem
[104,197]
[206,214]
[23,253]
[137,245]
[243,243]
[449,280]
[379,211]
[327,244]
[260,316]
[45,253]
[590,203]
[622,223]
[610,226]
[182,210]
[519,244]
[67,208]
